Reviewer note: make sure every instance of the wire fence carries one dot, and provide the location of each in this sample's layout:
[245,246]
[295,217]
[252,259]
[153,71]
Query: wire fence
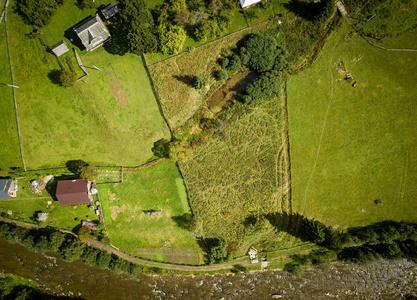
[14,88]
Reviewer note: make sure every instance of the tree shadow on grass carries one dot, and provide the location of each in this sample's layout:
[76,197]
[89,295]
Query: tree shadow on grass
[184,221]
[74,165]
[54,76]
[309,11]
[187,79]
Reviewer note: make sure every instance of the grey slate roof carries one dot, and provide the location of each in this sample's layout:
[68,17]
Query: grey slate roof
[60,48]
[6,185]
[110,10]
[92,33]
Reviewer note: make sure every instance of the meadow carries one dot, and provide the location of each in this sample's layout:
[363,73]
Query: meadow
[173,79]
[161,237]
[352,145]
[238,180]
[110,118]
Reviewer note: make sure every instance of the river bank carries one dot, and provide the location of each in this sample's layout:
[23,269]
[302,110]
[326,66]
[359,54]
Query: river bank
[381,280]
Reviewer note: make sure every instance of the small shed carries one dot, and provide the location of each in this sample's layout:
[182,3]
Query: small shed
[247,3]
[42,217]
[110,10]
[89,225]
[60,48]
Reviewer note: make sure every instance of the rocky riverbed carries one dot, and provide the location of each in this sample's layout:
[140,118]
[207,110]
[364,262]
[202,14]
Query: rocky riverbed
[381,280]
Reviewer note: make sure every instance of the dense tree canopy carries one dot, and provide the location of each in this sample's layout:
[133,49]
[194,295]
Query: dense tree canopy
[136,19]
[38,12]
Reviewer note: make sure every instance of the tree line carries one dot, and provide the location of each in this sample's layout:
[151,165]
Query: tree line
[71,249]
[389,240]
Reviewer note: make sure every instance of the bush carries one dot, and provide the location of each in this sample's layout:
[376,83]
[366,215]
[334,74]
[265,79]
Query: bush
[199,82]
[38,12]
[67,78]
[234,63]
[83,233]
[90,256]
[218,250]
[267,84]
[73,250]
[88,173]
[161,148]
[222,75]
[262,50]
[82,4]
[224,62]
[103,260]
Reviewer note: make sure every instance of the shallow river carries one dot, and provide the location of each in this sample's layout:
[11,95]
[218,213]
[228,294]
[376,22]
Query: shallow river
[383,280]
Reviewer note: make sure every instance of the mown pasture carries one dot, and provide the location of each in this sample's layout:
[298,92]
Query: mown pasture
[112,118]
[10,149]
[353,145]
[162,237]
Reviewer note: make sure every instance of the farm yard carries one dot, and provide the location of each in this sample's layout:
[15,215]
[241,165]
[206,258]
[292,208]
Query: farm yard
[351,145]
[111,118]
[162,236]
[26,205]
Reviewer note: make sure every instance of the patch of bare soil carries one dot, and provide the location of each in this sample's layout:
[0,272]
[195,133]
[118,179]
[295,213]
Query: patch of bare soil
[115,210]
[228,91]
[118,93]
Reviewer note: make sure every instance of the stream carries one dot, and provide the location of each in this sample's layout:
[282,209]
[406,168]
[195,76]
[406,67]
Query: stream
[381,280]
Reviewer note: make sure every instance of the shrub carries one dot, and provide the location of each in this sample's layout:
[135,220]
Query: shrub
[38,12]
[73,250]
[267,84]
[263,51]
[103,260]
[234,63]
[224,62]
[83,233]
[161,148]
[199,82]
[88,173]
[67,78]
[222,75]
[90,256]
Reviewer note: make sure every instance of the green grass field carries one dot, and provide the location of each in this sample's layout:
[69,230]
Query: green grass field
[159,237]
[353,145]
[10,149]
[112,118]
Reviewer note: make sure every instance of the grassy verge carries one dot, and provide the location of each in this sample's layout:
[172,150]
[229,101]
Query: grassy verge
[113,118]
[351,146]
[161,237]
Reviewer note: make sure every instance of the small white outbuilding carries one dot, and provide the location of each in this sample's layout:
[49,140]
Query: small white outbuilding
[247,3]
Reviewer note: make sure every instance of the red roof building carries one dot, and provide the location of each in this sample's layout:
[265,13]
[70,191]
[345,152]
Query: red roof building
[72,192]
